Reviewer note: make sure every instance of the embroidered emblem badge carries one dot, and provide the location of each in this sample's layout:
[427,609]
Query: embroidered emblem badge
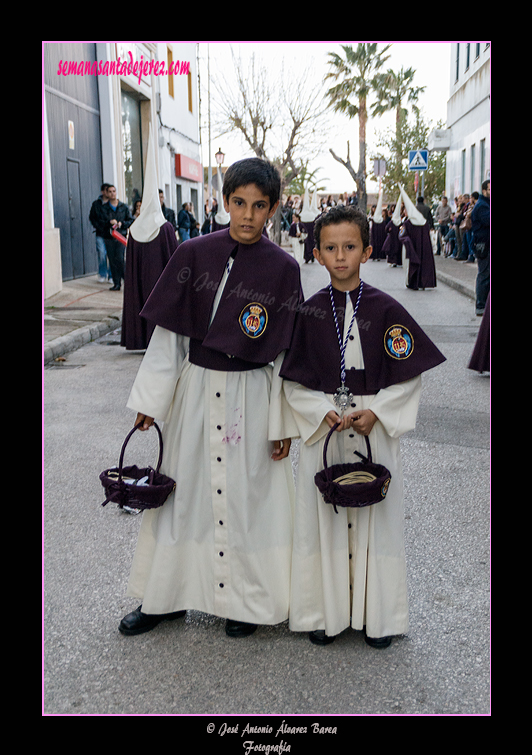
[385,487]
[253,319]
[398,342]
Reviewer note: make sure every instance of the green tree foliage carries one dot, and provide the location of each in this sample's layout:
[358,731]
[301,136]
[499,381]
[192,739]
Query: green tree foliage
[394,146]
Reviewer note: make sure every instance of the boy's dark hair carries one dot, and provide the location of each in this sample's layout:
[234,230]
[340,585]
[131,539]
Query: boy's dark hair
[253,170]
[342,215]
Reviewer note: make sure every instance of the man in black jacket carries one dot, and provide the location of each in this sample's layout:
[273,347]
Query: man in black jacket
[183,222]
[480,226]
[99,221]
[425,211]
[119,218]
[168,213]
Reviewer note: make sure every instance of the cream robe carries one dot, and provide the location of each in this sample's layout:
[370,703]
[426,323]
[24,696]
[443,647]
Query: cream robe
[298,248]
[349,569]
[221,543]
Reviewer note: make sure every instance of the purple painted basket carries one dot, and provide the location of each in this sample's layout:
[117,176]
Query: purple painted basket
[134,487]
[352,485]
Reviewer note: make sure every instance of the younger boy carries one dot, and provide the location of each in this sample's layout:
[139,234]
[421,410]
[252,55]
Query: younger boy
[221,543]
[348,568]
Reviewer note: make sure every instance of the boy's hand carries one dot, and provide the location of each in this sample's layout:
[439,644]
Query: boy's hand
[332,419]
[362,422]
[147,422]
[281,449]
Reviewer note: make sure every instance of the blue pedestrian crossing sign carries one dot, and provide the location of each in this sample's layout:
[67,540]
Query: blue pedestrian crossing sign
[418,159]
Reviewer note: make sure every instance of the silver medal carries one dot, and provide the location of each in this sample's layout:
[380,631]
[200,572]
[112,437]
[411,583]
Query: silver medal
[343,398]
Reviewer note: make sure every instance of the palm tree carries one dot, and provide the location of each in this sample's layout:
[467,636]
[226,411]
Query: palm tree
[357,78]
[304,179]
[394,89]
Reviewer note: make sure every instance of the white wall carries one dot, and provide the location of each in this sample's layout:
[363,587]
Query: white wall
[468,117]
[178,127]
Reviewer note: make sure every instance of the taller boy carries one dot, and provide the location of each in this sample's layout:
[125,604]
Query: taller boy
[221,543]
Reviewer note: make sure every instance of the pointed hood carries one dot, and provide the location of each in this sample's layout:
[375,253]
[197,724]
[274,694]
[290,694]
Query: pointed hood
[414,215]
[222,217]
[396,217]
[146,226]
[307,214]
[314,204]
[377,217]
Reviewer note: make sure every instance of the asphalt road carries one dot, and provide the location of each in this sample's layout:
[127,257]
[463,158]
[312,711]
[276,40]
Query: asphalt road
[190,668]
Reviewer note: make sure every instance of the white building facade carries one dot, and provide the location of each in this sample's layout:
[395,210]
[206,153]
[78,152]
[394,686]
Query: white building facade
[180,162]
[467,137]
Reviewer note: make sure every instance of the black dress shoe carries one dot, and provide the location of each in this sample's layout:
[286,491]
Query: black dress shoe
[378,642]
[137,622]
[318,637]
[115,288]
[239,628]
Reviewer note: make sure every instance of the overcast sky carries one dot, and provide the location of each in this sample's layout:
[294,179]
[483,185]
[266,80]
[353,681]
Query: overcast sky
[431,61]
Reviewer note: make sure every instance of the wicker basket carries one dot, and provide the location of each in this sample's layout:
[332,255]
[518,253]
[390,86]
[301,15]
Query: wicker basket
[352,485]
[134,487]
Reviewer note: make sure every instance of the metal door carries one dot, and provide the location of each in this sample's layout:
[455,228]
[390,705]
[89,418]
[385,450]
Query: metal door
[74,137]
[76,223]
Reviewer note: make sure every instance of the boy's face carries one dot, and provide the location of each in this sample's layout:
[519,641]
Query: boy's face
[342,252]
[249,209]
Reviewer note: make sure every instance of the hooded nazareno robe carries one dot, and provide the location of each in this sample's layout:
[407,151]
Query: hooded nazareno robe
[151,242]
[145,262]
[418,249]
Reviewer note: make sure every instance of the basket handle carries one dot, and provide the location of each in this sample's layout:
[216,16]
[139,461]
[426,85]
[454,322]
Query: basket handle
[159,460]
[365,459]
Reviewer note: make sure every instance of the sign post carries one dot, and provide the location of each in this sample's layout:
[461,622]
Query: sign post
[418,160]
[379,169]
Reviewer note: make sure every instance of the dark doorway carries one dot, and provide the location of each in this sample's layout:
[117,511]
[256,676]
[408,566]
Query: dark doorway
[76,222]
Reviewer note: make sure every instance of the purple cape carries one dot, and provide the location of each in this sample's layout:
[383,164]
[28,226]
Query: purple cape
[422,270]
[296,228]
[394,347]
[144,264]
[256,314]
[308,254]
[480,358]
[392,248]
[218,226]
[377,238]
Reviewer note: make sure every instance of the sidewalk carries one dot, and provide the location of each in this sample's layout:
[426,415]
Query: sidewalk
[85,309]
[459,275]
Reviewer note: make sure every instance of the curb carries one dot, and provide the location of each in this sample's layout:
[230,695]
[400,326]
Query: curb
[463,288]
[79,337]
